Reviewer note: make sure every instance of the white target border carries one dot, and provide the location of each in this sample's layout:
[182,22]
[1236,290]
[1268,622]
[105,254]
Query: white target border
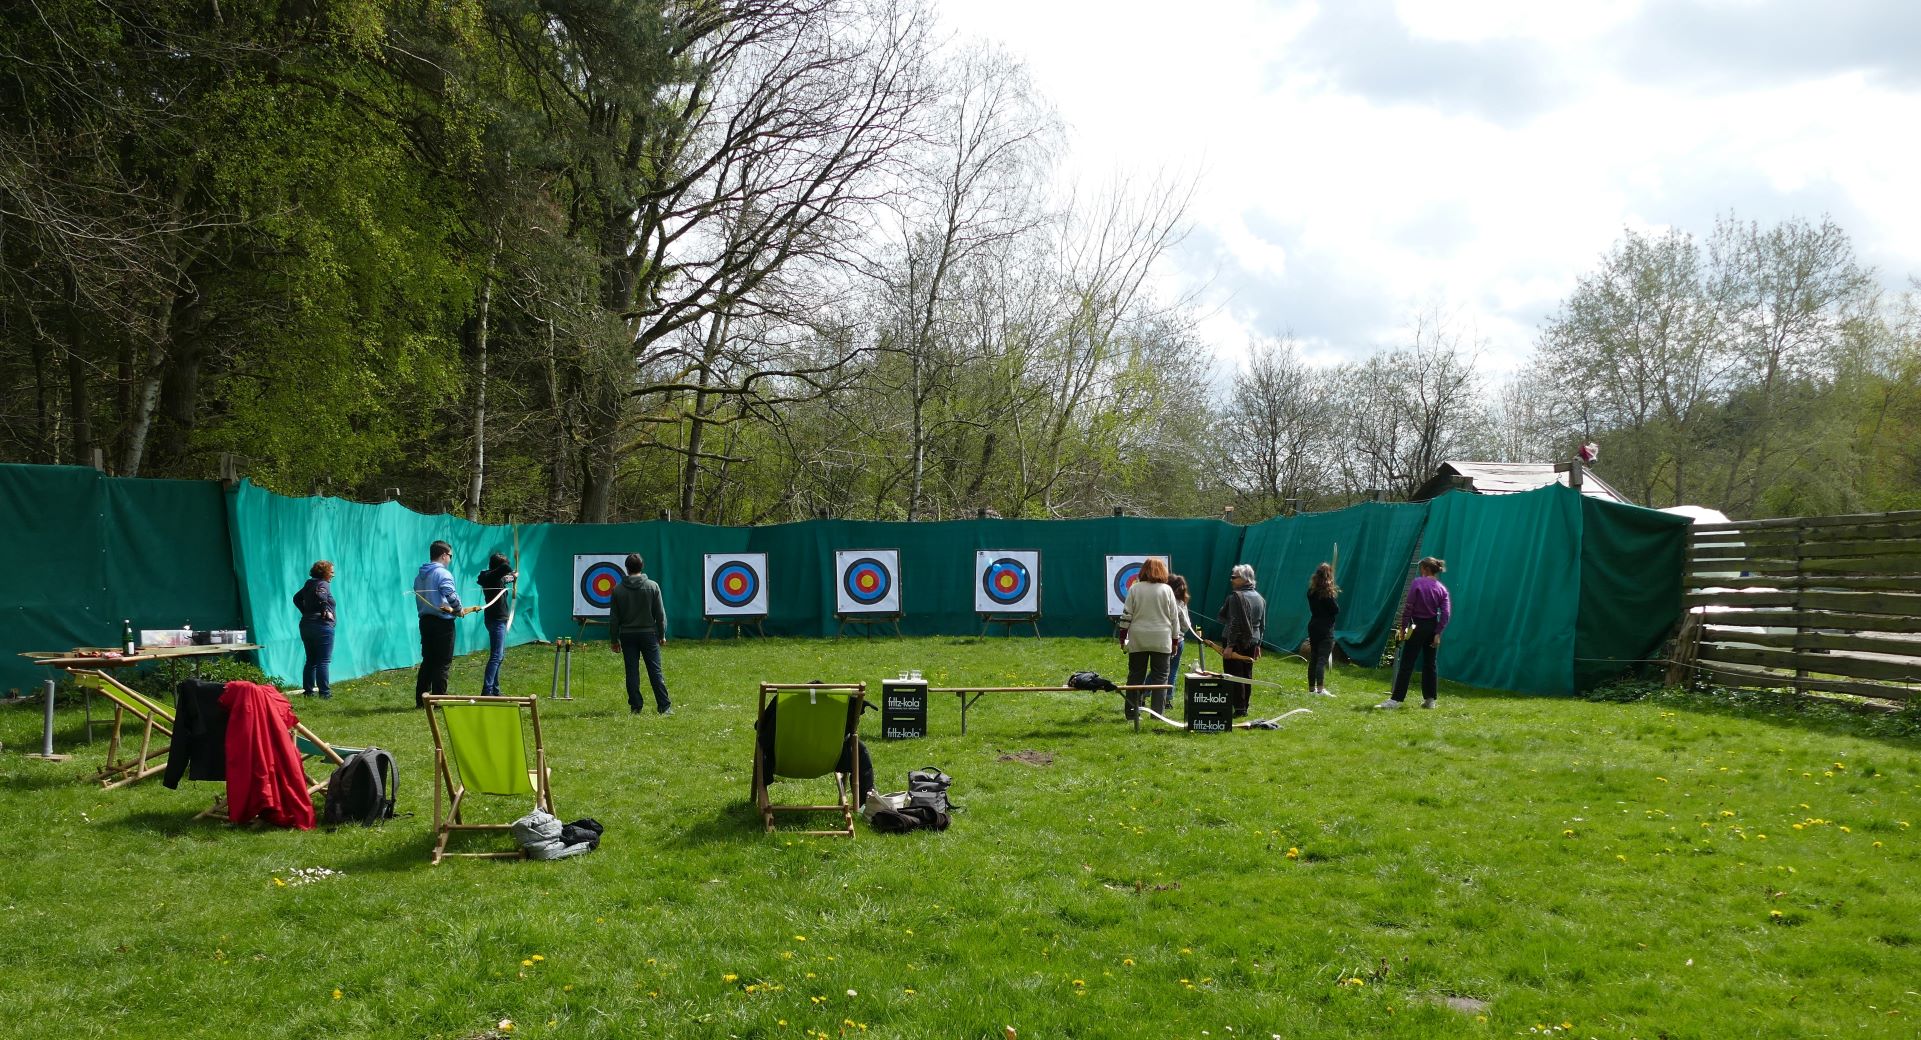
[845,603]
[1028,604]
[582,608]
[1115,564]
[711,563]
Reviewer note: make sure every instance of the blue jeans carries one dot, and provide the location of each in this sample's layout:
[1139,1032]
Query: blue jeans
[318,638]
[634,646]
[497,641]
[1174,664]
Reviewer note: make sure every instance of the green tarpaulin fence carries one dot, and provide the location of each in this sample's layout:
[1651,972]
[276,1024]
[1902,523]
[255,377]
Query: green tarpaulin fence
[1552,592]
[81,552]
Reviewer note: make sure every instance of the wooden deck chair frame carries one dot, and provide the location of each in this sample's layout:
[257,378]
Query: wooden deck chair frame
[129,704]
[844,801]
[450,791]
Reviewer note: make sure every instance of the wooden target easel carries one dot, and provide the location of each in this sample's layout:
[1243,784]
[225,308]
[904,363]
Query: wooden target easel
[866,621]
[1008,621]
[738,621]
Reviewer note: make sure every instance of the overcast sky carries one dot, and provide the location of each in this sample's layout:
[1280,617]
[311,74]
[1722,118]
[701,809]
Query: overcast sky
[1359,161]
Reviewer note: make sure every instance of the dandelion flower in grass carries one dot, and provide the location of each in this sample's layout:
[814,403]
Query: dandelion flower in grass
[1293,853]
[800,938]
[1845,829]
[909,991]
[506,1025]
[1129,961]
[1877,844]
[337,993]
[1080,982]
[1570,833]
[729,977]
[527,963]
[568,988]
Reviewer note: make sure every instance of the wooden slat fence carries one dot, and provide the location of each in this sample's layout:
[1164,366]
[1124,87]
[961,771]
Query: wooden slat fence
[1827,604]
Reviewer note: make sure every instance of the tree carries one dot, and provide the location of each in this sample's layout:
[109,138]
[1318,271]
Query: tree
[1275,431]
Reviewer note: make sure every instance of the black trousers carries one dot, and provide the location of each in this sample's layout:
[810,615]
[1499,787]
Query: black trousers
[1243,692]
[436,656]
[1146,668]
[1320,646]
[1419,646]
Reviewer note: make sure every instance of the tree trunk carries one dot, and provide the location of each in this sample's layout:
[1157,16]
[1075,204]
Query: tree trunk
[41,445]
[598,465]
[557,454]
[478,478]
[79,405]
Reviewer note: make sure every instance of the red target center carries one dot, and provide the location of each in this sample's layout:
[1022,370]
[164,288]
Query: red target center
[734,584]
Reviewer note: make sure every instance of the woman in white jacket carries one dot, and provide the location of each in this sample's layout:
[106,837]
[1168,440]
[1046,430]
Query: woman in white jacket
[1150,619]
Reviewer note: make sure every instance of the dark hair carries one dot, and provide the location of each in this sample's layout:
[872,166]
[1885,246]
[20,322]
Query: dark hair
[634,563]
[1179,585]
[1433,564]
[324,570]
[1154,569]
[439,549]
[498,559]
[1322,584]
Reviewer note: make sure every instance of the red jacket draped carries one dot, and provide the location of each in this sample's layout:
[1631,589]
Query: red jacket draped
[264,774]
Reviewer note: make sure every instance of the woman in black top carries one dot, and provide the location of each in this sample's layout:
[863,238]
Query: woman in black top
[493,592]
[315,600]
[1322,610]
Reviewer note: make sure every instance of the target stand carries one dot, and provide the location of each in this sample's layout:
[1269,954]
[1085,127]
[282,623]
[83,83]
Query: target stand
[1008,621]
[585,621]
[738,621]
[867,621]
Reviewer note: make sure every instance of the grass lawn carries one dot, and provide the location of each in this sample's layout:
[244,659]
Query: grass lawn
[1679,866]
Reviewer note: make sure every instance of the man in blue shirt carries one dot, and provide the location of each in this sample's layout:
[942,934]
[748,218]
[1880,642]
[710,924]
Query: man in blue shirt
[438,605]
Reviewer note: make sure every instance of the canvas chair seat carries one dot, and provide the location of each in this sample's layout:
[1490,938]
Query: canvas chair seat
[815,724]
[487,746]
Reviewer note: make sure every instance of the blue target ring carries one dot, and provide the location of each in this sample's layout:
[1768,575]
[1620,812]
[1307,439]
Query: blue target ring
[735,584]
[1006,581]
[1124,580]
[867,581]
[597,584]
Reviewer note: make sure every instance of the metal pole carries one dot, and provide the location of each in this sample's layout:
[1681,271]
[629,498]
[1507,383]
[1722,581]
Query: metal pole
[46,730]
[567,685]
[553,689]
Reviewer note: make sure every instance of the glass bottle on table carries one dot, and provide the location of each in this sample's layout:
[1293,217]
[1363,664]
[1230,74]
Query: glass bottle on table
[126,636]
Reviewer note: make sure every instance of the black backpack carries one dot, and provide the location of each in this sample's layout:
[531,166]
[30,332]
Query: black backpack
[362,789]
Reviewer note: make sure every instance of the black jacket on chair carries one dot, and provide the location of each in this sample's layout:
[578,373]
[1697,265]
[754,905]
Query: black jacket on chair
[199,750]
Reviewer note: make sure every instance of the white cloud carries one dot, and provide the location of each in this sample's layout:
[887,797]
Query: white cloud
[1362,161]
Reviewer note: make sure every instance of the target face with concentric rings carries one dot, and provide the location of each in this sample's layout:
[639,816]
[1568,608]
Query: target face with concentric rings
[869,581]
[595,579]
[736,584]
[1009,582]
[1122,573]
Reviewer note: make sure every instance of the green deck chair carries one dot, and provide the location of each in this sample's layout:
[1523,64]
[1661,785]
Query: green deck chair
[482,745]
[813,724]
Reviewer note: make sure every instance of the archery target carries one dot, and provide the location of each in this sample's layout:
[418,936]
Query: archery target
[595,579]
[1122,573]
[1007,581]
[736,584]
[868,582]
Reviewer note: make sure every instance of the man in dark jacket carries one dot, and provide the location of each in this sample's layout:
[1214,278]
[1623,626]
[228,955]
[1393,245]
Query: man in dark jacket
[639,626]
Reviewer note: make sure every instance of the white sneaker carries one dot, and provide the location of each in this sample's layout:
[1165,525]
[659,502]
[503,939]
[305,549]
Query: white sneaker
[1429,703]
[1388,704]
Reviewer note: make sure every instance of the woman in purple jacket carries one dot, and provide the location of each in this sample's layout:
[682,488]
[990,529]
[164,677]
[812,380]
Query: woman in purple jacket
[1422,622]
